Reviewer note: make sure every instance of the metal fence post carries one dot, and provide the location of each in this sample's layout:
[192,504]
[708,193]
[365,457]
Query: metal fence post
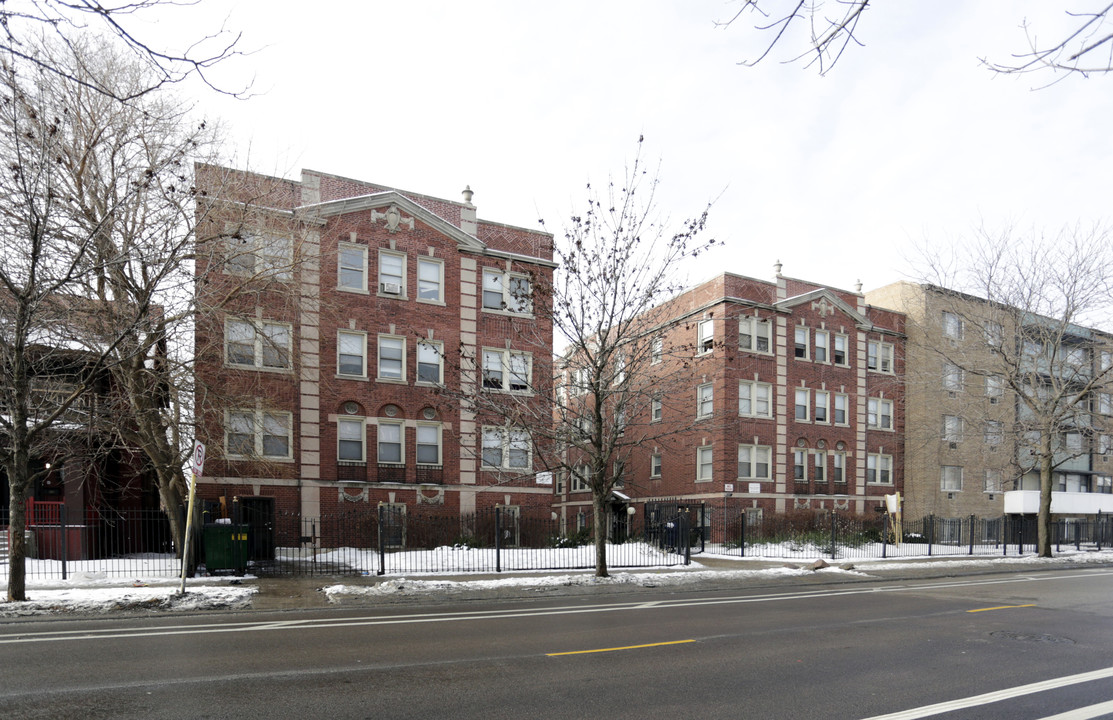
[498,540]
[62,528]
[1101,527]
[382,550]
[973,523]
[931,532]
[834,548]
[884,535]
[742,533]
[685,537]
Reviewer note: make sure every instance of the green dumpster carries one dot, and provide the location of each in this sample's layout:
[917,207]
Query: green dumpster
[225,547]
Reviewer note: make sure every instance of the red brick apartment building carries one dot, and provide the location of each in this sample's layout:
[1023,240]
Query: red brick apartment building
[794,401]
[337,371]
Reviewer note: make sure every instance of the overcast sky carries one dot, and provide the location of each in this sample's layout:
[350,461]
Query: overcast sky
[908,140]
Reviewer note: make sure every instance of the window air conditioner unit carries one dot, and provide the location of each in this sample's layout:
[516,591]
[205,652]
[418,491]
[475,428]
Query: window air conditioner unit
[390,288]
[954,446]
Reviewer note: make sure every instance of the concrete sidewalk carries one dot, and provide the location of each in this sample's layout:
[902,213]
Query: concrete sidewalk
[711,574]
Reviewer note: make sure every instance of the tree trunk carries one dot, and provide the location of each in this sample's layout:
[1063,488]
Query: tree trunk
[172,502]
[17,547]
[1043,519]
[600,508]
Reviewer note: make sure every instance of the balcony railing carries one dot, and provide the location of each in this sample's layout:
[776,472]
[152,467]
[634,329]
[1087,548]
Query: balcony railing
[1027,502]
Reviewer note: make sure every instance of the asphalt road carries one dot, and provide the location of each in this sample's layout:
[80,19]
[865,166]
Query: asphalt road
[857,650]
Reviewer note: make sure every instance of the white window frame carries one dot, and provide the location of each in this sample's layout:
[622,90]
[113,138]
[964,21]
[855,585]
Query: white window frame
[954,428]
[424,283]
[822,350]
[879,469]
[657,349]
[508,439]
[819,458]
[822,403]
[954,378]
[950,478]
[579,481]
[705,465]
[361,338]
[994,333]
[879,356]
[804,394]
[838,467]
[264,262]
[343,248]
[844,341]
[994,433]
[953,326]
[994,388]
[400,426]
[379,358]
[260,342]
[753,332]
[844,400]
[655,465]
[993,482]
[799,465]
[801,343]
[425,347]
[751,458]
[879,414]
[1105,403]
[1072,441]
[1105,443]
[755,394]
[507,302]
[350,423]
[509,366]
[655,410]
[420,442]
[705,400]
[260,423]
[705,336]
[382,279]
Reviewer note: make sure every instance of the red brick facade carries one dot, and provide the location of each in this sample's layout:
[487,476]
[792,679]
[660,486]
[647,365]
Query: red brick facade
[338,372]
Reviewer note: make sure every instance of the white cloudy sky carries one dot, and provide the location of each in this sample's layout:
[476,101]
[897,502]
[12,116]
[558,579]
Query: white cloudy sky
[908,140]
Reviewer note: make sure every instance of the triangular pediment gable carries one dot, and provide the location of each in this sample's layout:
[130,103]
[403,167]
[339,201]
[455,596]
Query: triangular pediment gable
[827,303]
[405,205]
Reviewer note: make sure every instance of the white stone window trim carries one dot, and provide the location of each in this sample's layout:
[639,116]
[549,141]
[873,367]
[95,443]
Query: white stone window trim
[381,285]
[259,339]
[363,354]
[428,260]
[362,249]
[258,426]
[379,377]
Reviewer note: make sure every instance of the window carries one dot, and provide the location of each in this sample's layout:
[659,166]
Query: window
[994,388]
[879,469]
[993,483]
[820,466]
[391,442]
[351,353]
[842,403]
[800,345]
[994,334]
[657,350]
[879,356]
[822,340]
[800,465]
[950,478]
[838,467]
[841,357]
[755,399]
[620,420]
[705,406]
[258,344]
[952,326]
[430,280]
[349,440]
[655,409]
[952,429]
[952,377]
[579,478]
[504,291]
[803,396]
[507,370]
[1106,360]
[392,273]
[430,363]
[268,256]
[703,464]
[619,369]
[994,432]
[705,336]
[351,267]
[754,462]
[655,466]
[879,414]
[258,433]
[1103,484]
[1104,444]
[428,438]
[506,448]
[1105,403]
[1074,442]
[392,358]
[822,406]
[755,335]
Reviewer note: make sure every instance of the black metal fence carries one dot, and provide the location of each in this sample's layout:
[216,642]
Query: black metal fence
[805,535]
[394,539]
[97,542]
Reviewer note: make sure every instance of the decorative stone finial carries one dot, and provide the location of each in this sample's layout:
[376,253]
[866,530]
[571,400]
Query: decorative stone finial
[858,287]
[467,194]
[777,268]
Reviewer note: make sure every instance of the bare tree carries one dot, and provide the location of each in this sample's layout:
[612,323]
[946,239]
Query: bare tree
[23,24]
[1017,318]
[818,34]
[618,265]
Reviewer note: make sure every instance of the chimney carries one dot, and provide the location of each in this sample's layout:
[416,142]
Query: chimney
[467,214]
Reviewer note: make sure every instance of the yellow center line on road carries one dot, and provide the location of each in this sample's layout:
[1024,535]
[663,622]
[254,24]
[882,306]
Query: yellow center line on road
[1000,607]
[628,647]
